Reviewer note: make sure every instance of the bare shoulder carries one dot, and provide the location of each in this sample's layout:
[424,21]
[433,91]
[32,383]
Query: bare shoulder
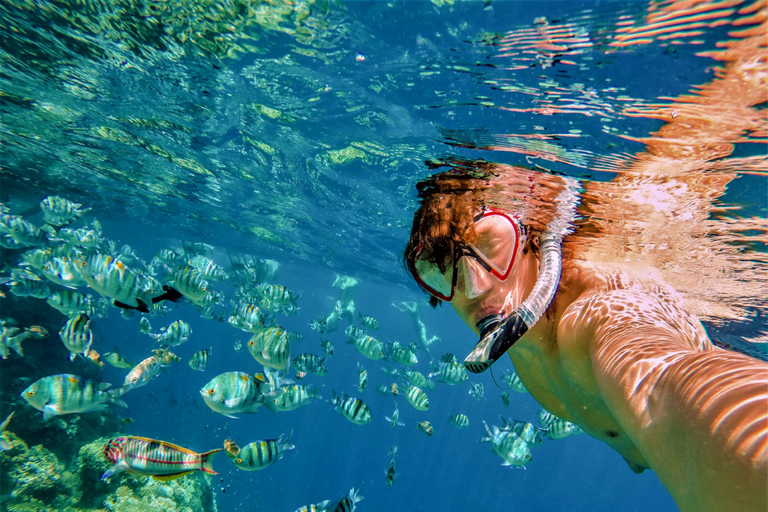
[612,298]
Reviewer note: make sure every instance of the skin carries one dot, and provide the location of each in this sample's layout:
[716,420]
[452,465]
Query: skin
[618,354]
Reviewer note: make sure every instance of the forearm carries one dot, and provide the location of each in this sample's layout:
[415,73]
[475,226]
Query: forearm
[699,418]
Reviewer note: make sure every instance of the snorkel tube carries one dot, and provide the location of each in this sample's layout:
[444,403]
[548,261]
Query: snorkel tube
[498,334]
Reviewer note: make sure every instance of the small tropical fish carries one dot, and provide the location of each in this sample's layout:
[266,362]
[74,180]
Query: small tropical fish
[277,294]
[77,336]
[259,454]
[207,268]
[477,390]
[347,503]
[29,288]
[247,317]
[426,427]
[394,420]
[191,284]
[393,389]
[354,333]
[173,335]
[59,211]
[94,357]
[288,398]
[507,445]
[369,347]
[512,380]
[557,428]
[369,322]
[354,409]
[25,233]
[505,399]
[362,377]
[390,473]
[118,361]
[144,326]
[417,398]
[327,347]
[318,325]
[83,237]
[5,443]
[233,393]
[271,348]
[129,290]
[165,356]
[159,459]
[66,394]
[402,355]
[309,363]
[450,370]
[12,337]
[143,372]
[199,360]
[64,271]
[418,379]
[527,432]
[459,420]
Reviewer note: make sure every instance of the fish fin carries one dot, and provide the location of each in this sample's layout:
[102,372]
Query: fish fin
[123,305]
[207,460]
[171,294]
[116,401]
[49,412]
[117,468]
[166,478]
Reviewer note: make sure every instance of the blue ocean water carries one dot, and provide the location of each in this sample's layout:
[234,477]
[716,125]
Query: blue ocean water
[296,131]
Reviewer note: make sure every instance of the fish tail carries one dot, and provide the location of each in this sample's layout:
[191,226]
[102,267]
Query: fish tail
[207,461]
[171,294]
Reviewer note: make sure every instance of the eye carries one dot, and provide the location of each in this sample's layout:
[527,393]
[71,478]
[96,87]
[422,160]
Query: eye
[250,343]
[238,460]
[31,393]
[211,391]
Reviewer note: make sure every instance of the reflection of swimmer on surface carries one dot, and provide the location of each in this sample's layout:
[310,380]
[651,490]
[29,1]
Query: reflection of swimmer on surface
[608,346]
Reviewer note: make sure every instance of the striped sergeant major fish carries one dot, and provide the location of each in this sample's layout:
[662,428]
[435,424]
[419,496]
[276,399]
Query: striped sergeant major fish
[22,233]
[72,302]
[208,268]
[247,317]
[309,363]
[159,459]
[271,348]
[347,503]
[418,398]
[191,284]
[354,409]
[199,360]
[59,211]
[512,380]
[288,398]
[128,290]
[459,420]
[11,338]
[67,394]
[426,427]
[418,379]
[390,472]
[233,393]
[507,445]
[77,336]
[173,335]
[400,354]
[277,294]
[5,443]
[369,322]
[527,432]
[557,428]
[450,370]
[368,346]
[144,326]
[362,377]
[64,271]
[260,454]
[477,390]
[395,419]
[82,237]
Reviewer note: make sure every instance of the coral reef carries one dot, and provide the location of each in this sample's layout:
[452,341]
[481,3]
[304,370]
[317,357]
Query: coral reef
[36,480]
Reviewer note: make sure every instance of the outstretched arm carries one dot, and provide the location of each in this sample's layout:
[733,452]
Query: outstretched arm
[699,416]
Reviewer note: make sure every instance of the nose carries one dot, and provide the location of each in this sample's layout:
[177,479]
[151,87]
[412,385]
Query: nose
[472,279]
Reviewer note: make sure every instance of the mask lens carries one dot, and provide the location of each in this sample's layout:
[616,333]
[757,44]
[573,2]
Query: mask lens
[433,279]
[474,277]
[496,242]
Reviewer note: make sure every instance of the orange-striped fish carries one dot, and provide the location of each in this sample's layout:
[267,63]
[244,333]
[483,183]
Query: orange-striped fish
[159,459]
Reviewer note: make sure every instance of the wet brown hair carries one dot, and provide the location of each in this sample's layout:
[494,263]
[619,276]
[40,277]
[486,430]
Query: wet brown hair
[448,203]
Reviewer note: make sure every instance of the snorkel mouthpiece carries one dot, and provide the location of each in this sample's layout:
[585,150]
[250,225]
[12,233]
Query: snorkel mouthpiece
[498,334]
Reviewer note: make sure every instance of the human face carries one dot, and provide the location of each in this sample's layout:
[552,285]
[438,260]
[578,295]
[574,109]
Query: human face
[490,254]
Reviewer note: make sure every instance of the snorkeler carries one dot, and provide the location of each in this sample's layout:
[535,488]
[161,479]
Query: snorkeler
[609,347]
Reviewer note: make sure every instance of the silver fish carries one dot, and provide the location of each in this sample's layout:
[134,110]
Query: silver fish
[233,393]
[354,409]
[77,336]
[67,394]
[59,211]
[199,360]
[450,370]
[260,454]
[173,335]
